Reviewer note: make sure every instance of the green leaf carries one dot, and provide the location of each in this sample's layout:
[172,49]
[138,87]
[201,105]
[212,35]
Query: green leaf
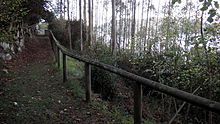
[212,11]
[204,8]
[216,4]
[210,19]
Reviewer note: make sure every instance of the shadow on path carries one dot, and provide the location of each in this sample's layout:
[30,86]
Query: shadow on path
[33,91]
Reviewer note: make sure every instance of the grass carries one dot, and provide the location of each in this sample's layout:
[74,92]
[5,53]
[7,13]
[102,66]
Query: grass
[113,112]
[75,88]
[74,67]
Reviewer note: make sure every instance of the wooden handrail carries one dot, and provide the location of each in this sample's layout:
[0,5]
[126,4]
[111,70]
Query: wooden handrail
[179,94]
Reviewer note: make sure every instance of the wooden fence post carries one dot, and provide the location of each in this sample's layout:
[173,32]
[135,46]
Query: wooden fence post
[64,68]
[88,81]
[58,57]
[138,103]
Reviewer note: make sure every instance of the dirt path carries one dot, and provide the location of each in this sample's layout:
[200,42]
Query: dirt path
[33,91]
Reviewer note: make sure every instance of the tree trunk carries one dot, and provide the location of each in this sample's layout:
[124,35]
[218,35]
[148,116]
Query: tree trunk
[61,2]
[113,33]
[145,37]
[85,21]
[64,8]
[69,24]
[80,18]
[90,21]
[133,26]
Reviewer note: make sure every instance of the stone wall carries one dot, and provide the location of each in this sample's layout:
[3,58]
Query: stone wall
[7,50]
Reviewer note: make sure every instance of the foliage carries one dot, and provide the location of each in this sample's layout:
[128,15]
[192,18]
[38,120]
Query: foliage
[59,28]
[10,12]
[36,11]
[208,5]
[6,36]
[18,12]
[102,81]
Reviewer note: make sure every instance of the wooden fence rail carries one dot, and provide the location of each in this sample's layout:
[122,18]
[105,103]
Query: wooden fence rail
[179,94]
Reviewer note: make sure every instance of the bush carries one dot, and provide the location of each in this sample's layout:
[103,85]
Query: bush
[103,81]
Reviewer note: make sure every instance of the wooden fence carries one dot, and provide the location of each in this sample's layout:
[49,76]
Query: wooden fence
[139,82]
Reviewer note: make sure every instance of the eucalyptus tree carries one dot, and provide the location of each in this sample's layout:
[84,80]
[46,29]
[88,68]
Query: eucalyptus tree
[81,23]
[85,19]
[107,23]
[64,8]
[150,29]
[113,31]
[146,27]
[61,10]
[69,24]
[133,25]
[90,7]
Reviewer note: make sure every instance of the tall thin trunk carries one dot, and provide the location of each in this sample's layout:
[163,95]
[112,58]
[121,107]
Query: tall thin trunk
[90,2]
[103,26]
[106,23]
[155,35]
[61,10]
[149,45]
[96,21]
[133,25]
[168,26]
[120,25]
[125,28]
[76,5]
[145,38]
[113,32]
[85,21]
[64,9]
[80,19]
[69,24]
[141,28]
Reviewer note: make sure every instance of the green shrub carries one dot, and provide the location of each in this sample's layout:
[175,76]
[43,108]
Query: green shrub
[103,81]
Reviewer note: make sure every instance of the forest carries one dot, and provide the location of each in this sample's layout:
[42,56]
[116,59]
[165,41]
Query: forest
[173,42]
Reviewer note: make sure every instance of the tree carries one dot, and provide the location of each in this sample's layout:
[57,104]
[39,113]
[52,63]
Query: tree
[133,25]
[145,38]
[113,32]
[85,20]
[81,31]
[90,2]
[69,25]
